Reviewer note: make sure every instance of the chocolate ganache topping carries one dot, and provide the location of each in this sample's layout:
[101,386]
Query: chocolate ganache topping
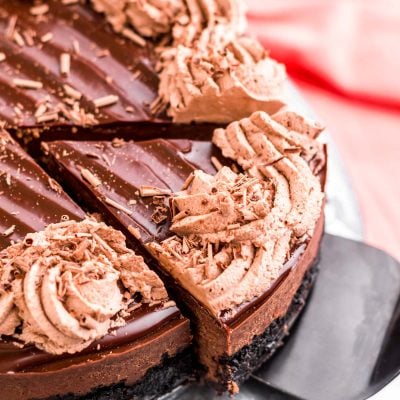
[209,71]
[70,284]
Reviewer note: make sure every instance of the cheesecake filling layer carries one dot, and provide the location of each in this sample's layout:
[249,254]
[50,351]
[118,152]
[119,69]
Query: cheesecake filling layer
[209,71]
[69,285]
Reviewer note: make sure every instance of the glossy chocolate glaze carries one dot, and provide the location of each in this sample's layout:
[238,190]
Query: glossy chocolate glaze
[123,168]
[30,199]
[106,64]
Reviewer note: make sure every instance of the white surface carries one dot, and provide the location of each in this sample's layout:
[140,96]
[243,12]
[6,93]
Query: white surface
[389,392]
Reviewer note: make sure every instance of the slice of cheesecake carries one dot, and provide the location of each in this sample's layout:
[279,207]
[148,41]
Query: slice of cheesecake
[81,314]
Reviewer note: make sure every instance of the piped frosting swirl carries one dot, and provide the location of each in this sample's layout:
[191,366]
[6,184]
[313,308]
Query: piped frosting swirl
[183,20]
[216,80]
[209,71]
[281,148]
[66,286]
[149,18]
[234,232]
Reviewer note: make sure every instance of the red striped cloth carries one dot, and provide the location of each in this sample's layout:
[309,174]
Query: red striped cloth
[345,56]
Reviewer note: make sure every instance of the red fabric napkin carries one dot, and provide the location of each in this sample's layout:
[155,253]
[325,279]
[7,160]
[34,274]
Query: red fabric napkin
[345,56]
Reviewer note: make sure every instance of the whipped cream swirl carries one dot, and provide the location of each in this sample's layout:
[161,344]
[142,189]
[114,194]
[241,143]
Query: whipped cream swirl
[228,248]
[182,19]
[229,208]
[69,285]
[269,148]
[209,71]
[213,73]
[234,232]
[219,81]
[150,18]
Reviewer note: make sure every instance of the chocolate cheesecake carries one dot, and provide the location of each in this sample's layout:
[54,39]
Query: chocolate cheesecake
[280,195]
[81,315]
[169,121]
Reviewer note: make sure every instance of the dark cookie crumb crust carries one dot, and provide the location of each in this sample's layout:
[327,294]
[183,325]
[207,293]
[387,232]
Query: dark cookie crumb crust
[238,367]
[171,373]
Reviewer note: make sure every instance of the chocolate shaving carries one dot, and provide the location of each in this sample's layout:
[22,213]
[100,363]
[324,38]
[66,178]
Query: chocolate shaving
[46,37]
[40,9]
[135,232]
[27,83]
[76,46]
[118,142]
[9,231]
[151,191]
[54,185]
[188,181]
[12,23]
[48,117]
[217,164]
[118,206]
[18,38]
[131,35]
[160,214]
[90,177]
[71,92]
[105,101]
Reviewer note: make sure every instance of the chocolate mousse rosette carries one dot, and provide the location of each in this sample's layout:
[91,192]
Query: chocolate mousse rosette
[216,80]
[281,149]
[209,70]
[148,18]
[183,20]
[214,73]
[9,318]
[69,285]
[234,233]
